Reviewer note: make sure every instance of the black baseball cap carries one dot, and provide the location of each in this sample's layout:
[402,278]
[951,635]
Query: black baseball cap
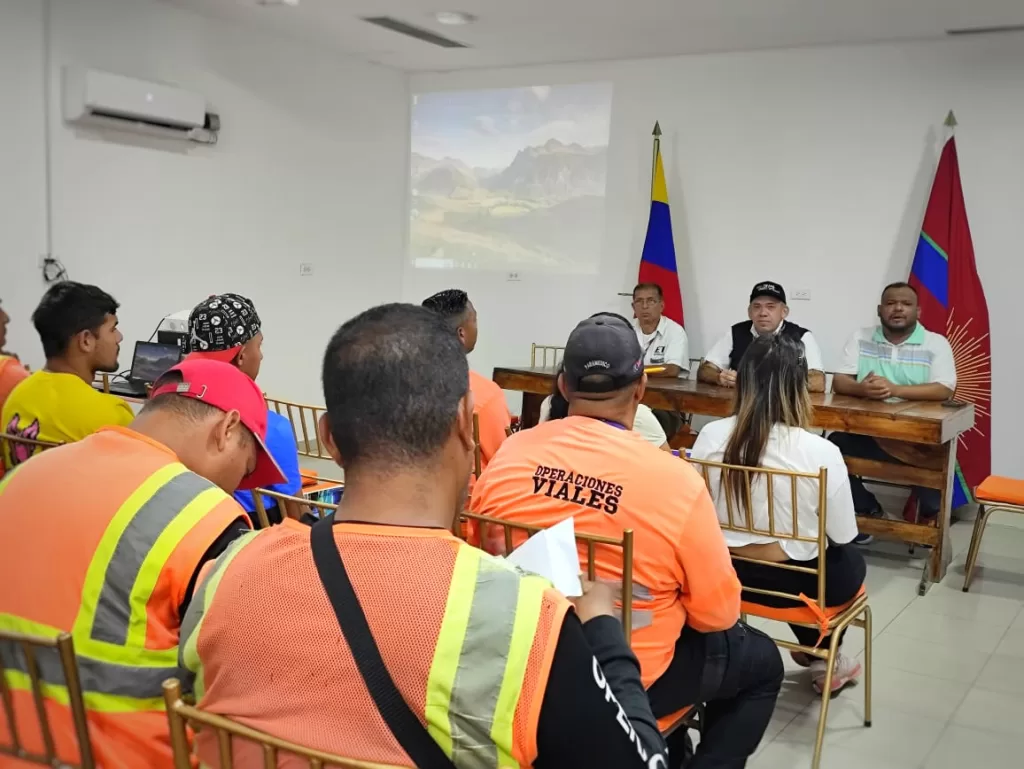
[220,325]
[602,355]
[768,288]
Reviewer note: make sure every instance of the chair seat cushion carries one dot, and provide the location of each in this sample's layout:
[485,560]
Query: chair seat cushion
[998,488]
[796,614]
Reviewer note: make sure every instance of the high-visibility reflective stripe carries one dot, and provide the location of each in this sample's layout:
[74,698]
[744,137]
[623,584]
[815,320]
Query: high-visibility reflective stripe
[481,668]
[445,665]
[480,662]
[527,615]
[96,676]
[135,564]
[100,703]
[191,625]
[96,573]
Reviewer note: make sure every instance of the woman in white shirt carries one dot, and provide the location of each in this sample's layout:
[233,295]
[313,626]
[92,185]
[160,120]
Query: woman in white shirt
[645,423]
[767,429]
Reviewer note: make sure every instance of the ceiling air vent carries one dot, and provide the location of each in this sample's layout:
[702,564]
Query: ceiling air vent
[403,28]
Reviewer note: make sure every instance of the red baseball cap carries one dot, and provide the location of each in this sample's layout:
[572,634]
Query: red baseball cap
[225,387]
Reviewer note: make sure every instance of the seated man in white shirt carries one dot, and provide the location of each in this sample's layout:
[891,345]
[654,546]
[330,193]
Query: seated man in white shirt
[768,429]
[663,342]
[766,313]
[899,359]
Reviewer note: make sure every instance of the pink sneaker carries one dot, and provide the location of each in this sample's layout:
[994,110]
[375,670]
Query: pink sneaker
[846,673]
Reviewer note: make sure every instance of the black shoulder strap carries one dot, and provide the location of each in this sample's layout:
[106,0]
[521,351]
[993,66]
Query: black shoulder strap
[403,723]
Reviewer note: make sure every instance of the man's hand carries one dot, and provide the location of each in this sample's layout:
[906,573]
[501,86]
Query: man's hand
[876,387]
[598,600]
[727,378]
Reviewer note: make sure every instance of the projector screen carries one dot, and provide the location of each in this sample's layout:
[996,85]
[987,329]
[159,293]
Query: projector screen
[509,179]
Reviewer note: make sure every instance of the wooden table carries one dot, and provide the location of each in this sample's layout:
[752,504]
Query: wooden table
[936,424]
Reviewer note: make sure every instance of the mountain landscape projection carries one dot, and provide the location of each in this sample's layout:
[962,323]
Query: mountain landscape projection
[510,179]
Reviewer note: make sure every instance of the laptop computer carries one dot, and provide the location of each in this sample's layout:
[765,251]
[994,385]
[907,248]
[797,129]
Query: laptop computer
[151,359]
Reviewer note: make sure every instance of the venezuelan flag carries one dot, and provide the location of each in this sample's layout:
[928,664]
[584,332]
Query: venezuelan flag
[658,262]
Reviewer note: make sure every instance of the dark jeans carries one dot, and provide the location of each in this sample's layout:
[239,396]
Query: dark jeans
[670,421]
[866,447]
[844,575]
[737,673]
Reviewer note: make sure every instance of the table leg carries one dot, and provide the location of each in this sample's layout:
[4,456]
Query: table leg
[942,553]
[531,409]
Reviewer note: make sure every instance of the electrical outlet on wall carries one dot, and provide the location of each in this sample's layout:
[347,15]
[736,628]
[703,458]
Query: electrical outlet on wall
[802,295]
[306,269]
[512,276]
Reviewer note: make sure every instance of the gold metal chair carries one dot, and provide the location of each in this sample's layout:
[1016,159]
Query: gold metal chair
[289,504]
[25,448]
[478,454]
[688,717]
[829,620]
[304,420]
[31,647]
[181,715]
[995,494]
[554,351]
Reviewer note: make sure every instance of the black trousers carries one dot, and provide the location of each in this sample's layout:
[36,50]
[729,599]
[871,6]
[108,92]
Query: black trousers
[844,575]
[866,447]
[737,673]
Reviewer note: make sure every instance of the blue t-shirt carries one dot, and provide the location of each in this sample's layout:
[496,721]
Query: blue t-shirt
[282,447]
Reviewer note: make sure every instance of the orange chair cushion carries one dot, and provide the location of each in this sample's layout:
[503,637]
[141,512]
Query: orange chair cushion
[796,614]
[998,488]
[667,721]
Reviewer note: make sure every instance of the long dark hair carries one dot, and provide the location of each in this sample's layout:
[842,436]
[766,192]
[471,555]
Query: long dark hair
[559,405]
[771,389]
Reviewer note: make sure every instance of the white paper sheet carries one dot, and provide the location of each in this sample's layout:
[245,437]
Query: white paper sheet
[552,554]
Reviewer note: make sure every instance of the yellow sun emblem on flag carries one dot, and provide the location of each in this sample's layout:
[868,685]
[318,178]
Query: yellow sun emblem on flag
[973,378]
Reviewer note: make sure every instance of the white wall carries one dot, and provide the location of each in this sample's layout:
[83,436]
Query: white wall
[810,167]
[310,168]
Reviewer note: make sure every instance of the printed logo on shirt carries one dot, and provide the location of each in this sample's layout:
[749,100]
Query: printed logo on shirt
[583,490]
[657,761]
[19,451]
[658,355]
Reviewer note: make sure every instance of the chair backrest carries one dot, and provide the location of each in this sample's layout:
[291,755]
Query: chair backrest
[740,522]
[304,505]
[29,447]
[304,420]
[30,648]
[478,454]
[550,354]
[181,716]
[590,541]
[694,366]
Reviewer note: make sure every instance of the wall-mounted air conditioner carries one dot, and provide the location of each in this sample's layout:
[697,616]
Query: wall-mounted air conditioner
[106,100]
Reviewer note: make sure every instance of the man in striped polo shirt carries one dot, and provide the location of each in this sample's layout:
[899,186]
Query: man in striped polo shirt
[896,360]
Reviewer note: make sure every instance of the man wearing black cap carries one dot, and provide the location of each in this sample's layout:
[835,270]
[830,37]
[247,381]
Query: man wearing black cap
[591,466]
[766,314]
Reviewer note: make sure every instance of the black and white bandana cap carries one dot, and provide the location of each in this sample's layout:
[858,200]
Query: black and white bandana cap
[222,322]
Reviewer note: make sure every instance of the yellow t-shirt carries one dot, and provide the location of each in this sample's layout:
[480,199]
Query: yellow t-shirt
[58,408]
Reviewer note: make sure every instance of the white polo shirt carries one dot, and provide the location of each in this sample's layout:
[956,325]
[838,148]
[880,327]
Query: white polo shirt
[719,353]
[666,346]
[788,448]
[923,358]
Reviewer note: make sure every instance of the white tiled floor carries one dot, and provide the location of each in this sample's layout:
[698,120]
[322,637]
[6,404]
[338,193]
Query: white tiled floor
[948,675]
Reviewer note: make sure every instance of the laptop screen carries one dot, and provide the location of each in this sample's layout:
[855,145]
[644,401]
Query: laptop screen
[153,359]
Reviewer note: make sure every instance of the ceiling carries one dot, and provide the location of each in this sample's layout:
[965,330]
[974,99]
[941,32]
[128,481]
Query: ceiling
[519,32]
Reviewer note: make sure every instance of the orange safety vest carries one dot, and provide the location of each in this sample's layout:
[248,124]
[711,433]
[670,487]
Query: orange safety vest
[101,539]
[467,638]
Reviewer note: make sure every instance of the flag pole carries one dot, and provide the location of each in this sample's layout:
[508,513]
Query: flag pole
[656,133]
[950,123]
